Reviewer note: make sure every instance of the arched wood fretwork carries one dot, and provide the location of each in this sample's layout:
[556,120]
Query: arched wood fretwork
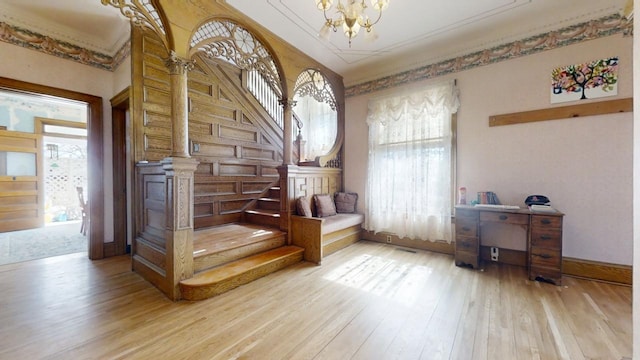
[227,40]
[312,83]
[145,13]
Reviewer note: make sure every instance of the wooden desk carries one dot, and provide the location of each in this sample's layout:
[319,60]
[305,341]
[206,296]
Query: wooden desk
[544,238]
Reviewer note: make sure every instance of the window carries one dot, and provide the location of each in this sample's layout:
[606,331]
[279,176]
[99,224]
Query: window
[409,182]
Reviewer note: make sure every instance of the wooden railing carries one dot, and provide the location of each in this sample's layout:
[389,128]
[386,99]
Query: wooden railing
[266,96]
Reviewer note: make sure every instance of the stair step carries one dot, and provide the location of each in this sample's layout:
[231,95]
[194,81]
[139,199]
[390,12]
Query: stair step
[264,212]
[216,281]
[269,204]
[225,243]
[274,192]
[264,217]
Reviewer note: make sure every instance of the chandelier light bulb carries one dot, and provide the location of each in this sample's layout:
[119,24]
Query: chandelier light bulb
[380,5]
[324,5]
[351,28]
[325,32]
[370,35]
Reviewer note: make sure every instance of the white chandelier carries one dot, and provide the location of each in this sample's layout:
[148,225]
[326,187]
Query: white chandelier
[351,17]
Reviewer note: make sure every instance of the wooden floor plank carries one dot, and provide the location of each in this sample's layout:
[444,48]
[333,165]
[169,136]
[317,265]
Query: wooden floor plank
[366,301]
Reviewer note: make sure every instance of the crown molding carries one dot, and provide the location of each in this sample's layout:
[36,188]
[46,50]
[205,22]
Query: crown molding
[589,30]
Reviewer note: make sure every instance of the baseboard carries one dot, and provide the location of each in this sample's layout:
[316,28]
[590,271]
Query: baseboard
[435,246]
[595,270]
[586,269]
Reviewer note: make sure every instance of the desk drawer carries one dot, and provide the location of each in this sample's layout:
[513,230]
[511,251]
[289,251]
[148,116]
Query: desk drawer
[467,258]
[507,218]
[464,243]
[466,227]
[466,214]
[545,257]
[546,222]
[547,274]
[546,238]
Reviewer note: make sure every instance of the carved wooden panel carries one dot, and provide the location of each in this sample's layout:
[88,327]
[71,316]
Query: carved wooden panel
[151,218]
[235,141]
[296,181]
[151,98]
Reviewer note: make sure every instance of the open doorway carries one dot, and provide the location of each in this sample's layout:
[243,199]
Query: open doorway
[42,177]
[98,249]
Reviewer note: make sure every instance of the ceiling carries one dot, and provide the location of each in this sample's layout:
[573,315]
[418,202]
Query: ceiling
[410,33]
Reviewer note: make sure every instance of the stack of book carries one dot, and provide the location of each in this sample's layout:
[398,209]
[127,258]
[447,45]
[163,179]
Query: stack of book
[488,197]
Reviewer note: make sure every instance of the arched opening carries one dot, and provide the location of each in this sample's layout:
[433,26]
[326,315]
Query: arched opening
[316,126]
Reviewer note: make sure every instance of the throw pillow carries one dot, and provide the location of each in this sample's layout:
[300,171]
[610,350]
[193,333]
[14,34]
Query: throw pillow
[346,202]
[303,206]
[324,205]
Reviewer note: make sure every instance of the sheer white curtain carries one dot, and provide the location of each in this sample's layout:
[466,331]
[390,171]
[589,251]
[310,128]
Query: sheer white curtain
[409,172]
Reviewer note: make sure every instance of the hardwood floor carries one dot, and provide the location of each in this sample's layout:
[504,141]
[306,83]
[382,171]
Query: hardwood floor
[368,301]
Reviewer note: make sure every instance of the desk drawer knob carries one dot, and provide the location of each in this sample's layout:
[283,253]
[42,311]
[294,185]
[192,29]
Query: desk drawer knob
[545,221]
[544,256]
[503,217]
[545,237]
[466,228]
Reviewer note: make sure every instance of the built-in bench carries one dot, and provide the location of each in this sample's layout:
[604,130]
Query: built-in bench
[322,236]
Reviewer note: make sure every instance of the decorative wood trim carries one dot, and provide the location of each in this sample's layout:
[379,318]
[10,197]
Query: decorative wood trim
[435,246]
[121,216]
[621,274]
[564,112]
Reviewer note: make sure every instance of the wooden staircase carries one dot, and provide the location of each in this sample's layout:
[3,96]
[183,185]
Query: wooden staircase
[267,211]
[231,255]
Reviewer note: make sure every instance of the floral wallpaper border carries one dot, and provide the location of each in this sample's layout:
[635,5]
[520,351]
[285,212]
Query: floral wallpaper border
[605,26]
[35,41]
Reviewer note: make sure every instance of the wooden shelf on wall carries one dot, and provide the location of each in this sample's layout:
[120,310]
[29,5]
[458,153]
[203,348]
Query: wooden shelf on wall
[564,112]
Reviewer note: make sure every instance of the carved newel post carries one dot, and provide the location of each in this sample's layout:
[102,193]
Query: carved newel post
[288,130]
[179,170]
[283,170]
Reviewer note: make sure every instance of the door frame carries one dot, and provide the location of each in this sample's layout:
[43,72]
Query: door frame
[121,216]
[95,149]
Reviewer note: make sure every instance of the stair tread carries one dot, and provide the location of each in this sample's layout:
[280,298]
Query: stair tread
[230,236]
[264,212]
[237,267]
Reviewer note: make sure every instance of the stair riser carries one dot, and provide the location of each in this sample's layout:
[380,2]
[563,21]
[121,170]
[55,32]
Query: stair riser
[268,205]
[274,193]
[209,261]
[205,292]
[263,220]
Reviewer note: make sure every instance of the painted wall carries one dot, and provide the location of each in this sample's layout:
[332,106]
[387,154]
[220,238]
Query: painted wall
[35,67]
[584,165]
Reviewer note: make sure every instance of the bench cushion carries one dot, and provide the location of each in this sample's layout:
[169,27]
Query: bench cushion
[303,207]
[346,202]
[324,205]
[340,221]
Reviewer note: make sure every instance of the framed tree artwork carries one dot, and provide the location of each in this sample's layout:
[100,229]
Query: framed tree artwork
[592,80]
